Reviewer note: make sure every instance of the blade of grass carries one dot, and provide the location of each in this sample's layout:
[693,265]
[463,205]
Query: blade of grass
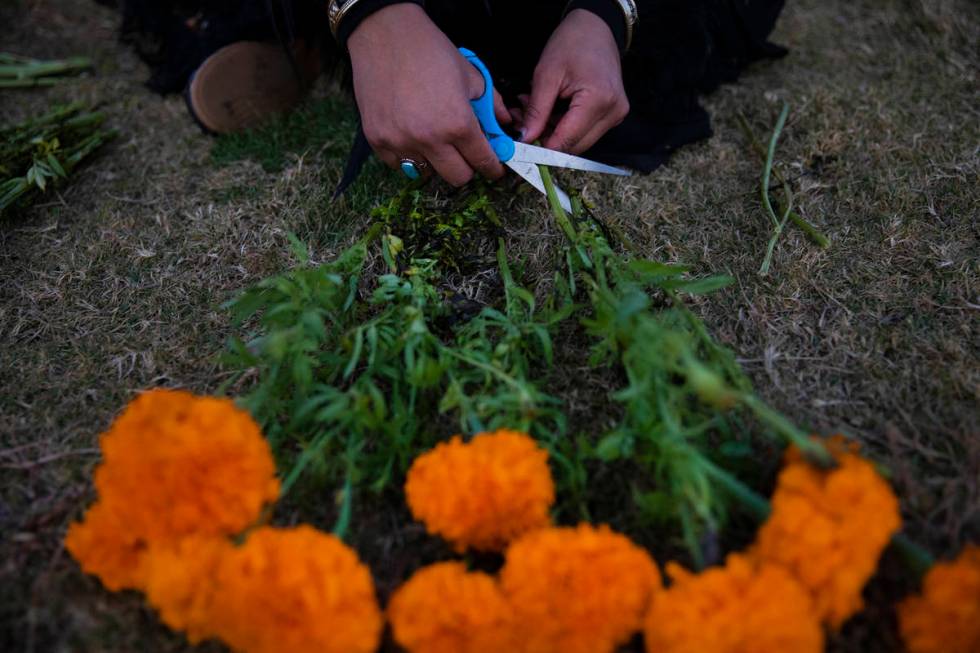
[766,175]
[812,232]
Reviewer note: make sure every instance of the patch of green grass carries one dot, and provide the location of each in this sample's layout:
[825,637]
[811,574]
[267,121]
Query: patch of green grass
[323,126]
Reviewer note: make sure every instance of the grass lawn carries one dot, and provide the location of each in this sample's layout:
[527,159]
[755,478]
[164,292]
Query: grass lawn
[113,284]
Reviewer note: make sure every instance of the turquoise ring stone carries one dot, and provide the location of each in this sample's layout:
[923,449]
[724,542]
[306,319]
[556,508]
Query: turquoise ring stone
[412,168]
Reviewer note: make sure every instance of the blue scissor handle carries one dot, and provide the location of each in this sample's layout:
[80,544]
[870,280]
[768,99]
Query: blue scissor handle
[502,144]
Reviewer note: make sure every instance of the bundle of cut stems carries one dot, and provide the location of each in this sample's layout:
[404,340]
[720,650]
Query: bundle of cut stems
[21,72]
[46,149]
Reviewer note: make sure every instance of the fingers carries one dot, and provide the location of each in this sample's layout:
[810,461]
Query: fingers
[475,148]
[500,109]
[455,148]
[450,165]
[544,91]
[590,115]
[389,158]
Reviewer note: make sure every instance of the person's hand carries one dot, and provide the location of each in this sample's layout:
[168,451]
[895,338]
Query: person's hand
[581,64]
[413,89]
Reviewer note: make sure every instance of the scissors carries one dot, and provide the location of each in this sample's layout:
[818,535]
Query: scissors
[523,158]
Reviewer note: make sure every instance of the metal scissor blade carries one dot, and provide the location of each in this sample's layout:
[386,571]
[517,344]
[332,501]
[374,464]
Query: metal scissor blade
[532,175]
[533,154]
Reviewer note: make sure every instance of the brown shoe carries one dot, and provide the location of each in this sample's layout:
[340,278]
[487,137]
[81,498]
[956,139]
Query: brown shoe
[244,83]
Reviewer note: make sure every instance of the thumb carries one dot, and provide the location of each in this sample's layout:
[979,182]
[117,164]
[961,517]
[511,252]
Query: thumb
[544,92]
[500,109]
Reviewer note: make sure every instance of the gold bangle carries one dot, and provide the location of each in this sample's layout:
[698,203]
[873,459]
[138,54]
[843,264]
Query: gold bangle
[336,10]
[631,15]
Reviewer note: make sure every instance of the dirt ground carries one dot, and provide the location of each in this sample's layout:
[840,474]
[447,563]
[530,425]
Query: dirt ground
[113,283]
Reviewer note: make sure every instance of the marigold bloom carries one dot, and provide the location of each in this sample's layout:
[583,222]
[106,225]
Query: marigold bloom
[945,618]
[444,608]
[484,493]
[175,464]
[742,607]
[828,528]
[297,590]
[104,547]
[577,590]
[181,582]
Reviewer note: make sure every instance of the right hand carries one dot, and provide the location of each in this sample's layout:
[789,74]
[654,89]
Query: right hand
[413,89]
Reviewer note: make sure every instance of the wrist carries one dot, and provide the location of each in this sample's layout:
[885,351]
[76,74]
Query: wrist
[619,15]
[347,16]
[585,27]
[380,28]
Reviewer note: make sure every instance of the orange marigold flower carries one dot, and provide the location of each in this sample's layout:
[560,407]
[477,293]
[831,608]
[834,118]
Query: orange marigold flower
[296,589]
[828,528]
[175,464]
[444,608]
[104,547]
[577,590]
[181,582]
[945,618]
[484,493]
[742,607]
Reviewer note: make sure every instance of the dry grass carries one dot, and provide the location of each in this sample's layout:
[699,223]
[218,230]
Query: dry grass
[113,285]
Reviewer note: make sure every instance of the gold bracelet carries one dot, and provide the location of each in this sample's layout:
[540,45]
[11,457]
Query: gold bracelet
[630,14]
[336,10]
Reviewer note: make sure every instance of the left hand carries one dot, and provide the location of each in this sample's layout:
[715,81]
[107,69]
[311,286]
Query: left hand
[580,63]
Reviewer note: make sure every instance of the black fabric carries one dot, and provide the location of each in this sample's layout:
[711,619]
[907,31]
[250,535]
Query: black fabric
[608,10]
[683,49]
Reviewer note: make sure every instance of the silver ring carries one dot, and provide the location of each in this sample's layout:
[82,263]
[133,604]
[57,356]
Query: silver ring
[413,168]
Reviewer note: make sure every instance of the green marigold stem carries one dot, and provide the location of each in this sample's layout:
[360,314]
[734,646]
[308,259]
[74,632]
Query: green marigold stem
[916,558]
[561,217]
[346,501]
[814,450]
[754,502]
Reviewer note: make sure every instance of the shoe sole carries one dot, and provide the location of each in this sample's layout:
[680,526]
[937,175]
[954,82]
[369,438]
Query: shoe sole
[243,84]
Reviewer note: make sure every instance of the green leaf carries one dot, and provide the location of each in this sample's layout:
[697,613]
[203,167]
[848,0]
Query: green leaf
[700,286]
[303,373]
[657,506]
[56,166]
[335,409]
[525,296]
[654,269]
[545,339]
[246,305]
[735,449]
[313,322]
[355,353]
[299,248]
[611,446]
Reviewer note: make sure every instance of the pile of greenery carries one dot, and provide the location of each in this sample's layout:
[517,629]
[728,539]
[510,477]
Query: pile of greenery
[365,361]
[42,151]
